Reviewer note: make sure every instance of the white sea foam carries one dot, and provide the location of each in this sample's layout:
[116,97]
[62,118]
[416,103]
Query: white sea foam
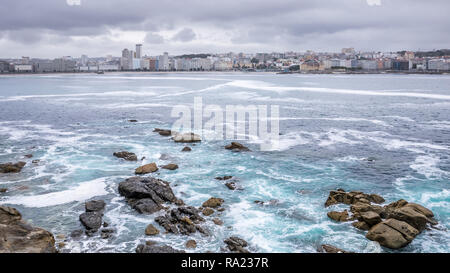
[260,85]
[427,165]
[82,192]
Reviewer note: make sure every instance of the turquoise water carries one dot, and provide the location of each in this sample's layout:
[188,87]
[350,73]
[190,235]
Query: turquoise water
[329,125]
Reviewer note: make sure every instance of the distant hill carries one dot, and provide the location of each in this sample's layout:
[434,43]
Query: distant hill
[191,56]
[434,53]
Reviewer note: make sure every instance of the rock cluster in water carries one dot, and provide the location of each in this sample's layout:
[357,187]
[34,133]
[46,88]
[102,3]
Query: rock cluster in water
[17,236]
[147,194]
[393,226]
[237,147]
[92,219]
[184,220]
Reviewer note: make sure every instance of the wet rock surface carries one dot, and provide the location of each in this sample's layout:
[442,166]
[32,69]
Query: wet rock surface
[151,230]
[213,202]
[183,220]
[393,226]
[236,244]
[17,236]
[146,195]
[12,167]
[145,169]
[331,249]
[186,149]
[126,156]
[237,147]
[171,167]
[156,248]
[163,132]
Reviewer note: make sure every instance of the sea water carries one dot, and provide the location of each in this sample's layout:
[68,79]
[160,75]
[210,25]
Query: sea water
[329,126]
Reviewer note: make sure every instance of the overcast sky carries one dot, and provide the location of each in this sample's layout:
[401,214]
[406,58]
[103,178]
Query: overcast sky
[54,28]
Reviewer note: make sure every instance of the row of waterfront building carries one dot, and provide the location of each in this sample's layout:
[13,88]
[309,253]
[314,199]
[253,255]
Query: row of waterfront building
[134,60]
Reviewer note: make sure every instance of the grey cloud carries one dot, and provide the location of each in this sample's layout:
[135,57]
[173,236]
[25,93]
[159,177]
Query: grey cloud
[248,25]
[184,35]
[154,38]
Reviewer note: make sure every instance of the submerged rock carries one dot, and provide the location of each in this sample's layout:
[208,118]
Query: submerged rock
[126,156]
[163,132]
[146,195]
[236,244]
[186,137]
[231,185]
[213,202]
[18,236]
[186,149]
[237,147]
[155,248]
[151,230]
[331,249]
[148,168]
[226,177]
[191,244]
[171,167]
[12,167]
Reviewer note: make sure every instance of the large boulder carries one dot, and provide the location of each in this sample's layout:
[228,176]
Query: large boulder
[126,155]
[411,216]
[95,205]
[392,233]
[146,195]
[371,218]
[148,168]
[16,236]
[186,138]
[163,132]
[92,220]
[171,167]
[12,167]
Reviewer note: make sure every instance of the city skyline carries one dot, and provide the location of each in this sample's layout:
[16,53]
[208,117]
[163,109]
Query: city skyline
[100,29]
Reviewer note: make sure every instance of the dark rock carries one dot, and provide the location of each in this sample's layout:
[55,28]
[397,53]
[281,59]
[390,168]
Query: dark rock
[231,185]
[235,146]
[186,138]
[213,202]
[148,168]
[126,155]
[76,233]
[182,220]
[3,190]
[236,244]
[132,120]
[17,236]
[12,167]
[28,156]
[227,177]
[353,197]
[95,205]
[331,249]
[91,220]
[151,230]
[105,224]
[107,233]
[36,161]
[171,167]
[163,132]
[191,244]
[154,248]
[186,149]
[217,221]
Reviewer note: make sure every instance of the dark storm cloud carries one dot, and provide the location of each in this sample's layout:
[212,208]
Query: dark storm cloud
[245,24]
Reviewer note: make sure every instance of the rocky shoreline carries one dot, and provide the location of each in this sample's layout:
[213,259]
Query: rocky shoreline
[394,225]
